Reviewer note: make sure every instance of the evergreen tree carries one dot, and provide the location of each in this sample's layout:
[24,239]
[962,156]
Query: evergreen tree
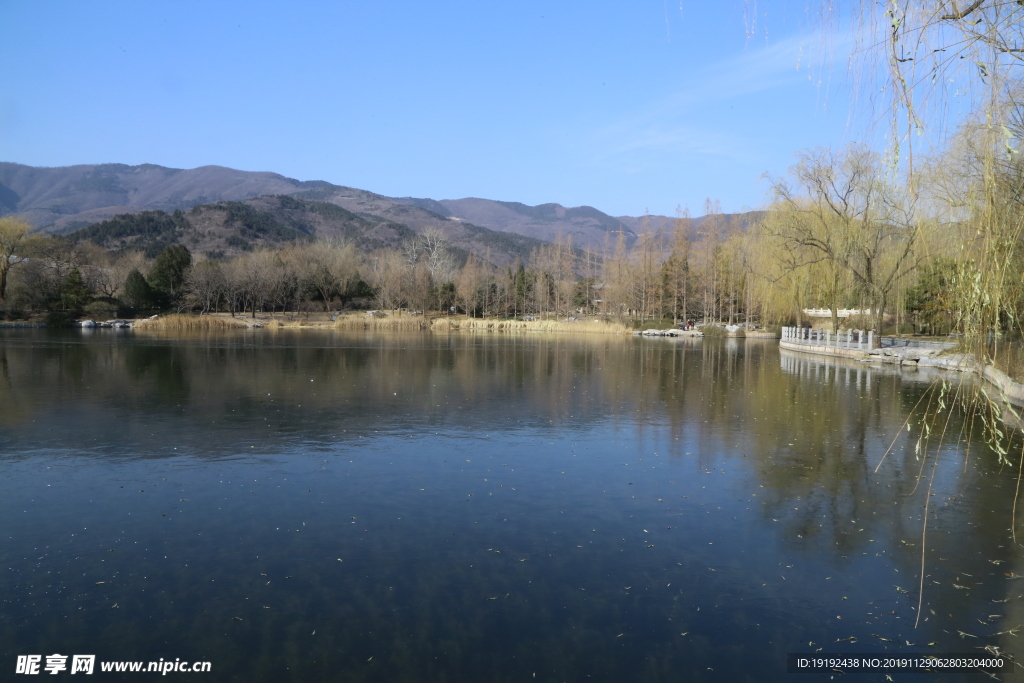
[74,293]
[137,292]
[446,296]
[168,274]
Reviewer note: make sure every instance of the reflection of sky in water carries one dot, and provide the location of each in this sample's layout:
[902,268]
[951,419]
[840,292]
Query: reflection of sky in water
[477,508]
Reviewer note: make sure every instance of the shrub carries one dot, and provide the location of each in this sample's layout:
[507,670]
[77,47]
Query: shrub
[102,309]
[714,331]
[58,319]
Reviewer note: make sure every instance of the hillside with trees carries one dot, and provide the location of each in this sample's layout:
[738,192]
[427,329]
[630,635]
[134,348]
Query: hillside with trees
[58,200]
[227,229]
[587,226]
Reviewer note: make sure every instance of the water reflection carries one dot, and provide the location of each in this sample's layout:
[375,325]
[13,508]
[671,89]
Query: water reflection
[475,507]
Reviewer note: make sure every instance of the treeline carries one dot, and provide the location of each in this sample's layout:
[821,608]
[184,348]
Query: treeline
[842,232]
[65,280]
[721,274]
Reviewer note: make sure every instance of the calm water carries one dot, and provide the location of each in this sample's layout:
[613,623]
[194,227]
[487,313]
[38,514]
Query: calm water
[323,507]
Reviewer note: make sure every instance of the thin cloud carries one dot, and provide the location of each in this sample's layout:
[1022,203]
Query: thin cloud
[681,138]
[749,73]
[676,123]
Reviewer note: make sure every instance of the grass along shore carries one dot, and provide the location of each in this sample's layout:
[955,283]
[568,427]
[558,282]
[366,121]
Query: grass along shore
[184,322]
[461,323]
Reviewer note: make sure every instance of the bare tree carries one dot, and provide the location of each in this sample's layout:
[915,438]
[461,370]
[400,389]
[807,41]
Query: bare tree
[387,272]
[615,288]
[676,269]
[206,286]
[435,247]
[644,270]
[327,267]
[109,271]
[251,279]
[469,283]
[708,260]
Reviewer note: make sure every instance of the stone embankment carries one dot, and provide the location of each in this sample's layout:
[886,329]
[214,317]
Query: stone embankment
[669,333]
[124,323]
[858,345]
[127,324]
[730,331]
[172,322]
[119,323]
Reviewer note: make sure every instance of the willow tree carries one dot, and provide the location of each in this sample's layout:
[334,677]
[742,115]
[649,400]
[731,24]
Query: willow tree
[13,233]
[951,70]
[843,210]
[782,275]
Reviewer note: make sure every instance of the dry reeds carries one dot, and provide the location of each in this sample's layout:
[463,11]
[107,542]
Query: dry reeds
[496,325]
[409,323]
[288,324]
[179,322]
[385,323]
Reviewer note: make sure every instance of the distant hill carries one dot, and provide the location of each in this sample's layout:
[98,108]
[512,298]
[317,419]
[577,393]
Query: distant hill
[588,227]
[228,228]
[493,244]
[733,222]
[66,199]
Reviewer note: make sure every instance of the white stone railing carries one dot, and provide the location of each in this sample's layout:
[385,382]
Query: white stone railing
[844,339]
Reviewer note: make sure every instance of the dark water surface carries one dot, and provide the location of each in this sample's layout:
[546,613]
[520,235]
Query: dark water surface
[324,507]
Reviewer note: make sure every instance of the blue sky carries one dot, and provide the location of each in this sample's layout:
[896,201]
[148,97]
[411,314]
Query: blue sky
[624,106]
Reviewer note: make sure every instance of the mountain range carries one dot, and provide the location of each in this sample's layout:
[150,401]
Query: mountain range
[228,210]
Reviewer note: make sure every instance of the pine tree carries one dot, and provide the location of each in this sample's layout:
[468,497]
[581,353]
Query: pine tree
[137,292]
[74,293]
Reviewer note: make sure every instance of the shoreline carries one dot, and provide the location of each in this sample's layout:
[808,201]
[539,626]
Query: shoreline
[1011,391]
[380,321]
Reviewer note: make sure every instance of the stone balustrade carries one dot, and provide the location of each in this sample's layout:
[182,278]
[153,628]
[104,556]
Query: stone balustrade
[857,340]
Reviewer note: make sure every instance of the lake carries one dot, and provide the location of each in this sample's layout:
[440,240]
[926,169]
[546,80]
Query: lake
[320,506]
